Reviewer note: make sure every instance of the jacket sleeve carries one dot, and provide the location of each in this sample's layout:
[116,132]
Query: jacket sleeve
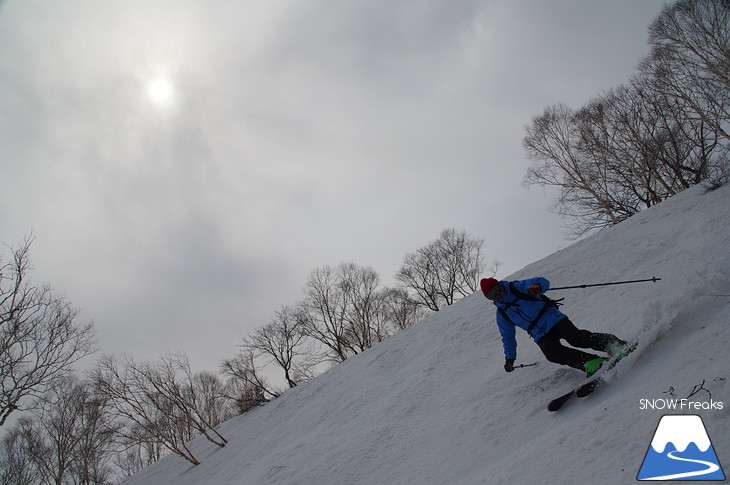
[509,342]
[523,285]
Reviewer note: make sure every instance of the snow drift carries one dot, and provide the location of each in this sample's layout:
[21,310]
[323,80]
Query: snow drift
[433,405]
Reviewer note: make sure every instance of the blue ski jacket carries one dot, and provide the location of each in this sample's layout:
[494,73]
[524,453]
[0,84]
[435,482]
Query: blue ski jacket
[521,313]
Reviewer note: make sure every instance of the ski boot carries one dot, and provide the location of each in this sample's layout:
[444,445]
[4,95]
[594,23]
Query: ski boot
[592,366]
[621,350]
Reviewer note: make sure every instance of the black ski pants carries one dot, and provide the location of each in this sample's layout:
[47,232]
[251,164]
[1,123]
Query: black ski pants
[560,354]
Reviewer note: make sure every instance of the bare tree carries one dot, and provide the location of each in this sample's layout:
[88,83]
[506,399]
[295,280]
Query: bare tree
[401,311]
[173,378]
[246,387]
[72,437]
[326,313]
[284,342]
[684,145]
[16,464]
[138,449]
[636,145]
[159,401]
[690,58]
[344,309]
[444,269]
[620,131]
[689,64]
[39,339]
[147,415]
[553,143]
[653,148]
[68,439]
[629,148]
[211,398]
[96,444]
[366,316]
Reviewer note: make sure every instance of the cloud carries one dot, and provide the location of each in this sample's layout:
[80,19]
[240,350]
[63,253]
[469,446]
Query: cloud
[301,134]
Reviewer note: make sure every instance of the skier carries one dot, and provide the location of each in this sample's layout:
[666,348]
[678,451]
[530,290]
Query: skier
[522,304]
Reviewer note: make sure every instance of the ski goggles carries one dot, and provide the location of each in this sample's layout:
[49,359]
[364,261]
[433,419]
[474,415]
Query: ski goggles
[495,292]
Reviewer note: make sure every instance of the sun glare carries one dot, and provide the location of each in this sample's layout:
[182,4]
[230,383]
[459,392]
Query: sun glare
[160,91]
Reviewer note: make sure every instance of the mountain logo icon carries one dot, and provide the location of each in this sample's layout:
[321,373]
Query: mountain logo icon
[681,450]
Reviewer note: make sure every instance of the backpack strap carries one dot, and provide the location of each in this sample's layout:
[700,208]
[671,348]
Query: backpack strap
[549,303]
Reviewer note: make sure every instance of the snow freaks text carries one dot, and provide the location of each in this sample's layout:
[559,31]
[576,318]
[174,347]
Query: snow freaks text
[679,405]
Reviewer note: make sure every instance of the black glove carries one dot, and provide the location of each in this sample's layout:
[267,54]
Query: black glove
[509,365]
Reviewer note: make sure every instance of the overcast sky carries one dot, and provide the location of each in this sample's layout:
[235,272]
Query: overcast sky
[183,165]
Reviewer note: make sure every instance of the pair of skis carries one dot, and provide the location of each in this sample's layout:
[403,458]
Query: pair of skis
[587,387]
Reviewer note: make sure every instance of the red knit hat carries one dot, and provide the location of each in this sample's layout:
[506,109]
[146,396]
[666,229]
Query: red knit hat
[487,284]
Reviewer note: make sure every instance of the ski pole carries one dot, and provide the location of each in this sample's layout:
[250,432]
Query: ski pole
[653,279]
[524,365]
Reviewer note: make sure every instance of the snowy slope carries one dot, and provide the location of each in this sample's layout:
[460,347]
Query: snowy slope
[432,405]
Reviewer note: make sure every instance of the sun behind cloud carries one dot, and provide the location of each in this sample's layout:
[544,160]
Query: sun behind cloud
[160,91]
